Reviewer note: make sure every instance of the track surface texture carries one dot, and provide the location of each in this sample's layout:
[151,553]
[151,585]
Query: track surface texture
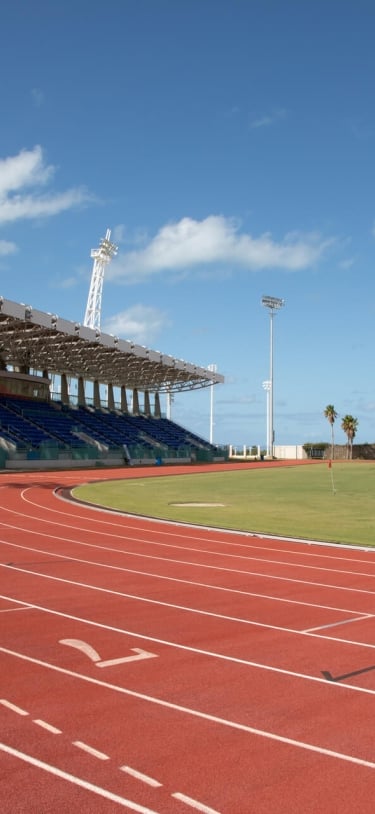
[167,669]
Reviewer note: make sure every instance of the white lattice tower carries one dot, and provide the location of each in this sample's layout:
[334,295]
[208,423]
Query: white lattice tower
[102,256]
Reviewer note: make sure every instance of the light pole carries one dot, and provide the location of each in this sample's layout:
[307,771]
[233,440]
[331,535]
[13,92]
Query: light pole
[267,387]
[213,369]
[102,257]
[273,304]
[170,399]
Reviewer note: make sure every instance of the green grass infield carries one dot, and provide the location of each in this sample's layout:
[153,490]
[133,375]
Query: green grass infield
[331,504]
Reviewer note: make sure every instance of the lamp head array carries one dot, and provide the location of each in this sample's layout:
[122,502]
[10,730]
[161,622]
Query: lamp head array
[272,302]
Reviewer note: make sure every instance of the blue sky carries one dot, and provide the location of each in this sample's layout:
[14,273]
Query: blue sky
[229,146]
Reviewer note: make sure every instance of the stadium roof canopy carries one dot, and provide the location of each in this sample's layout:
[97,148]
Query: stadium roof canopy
[42,341]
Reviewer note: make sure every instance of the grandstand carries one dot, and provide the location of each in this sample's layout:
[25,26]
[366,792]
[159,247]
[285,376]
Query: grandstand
[45,423]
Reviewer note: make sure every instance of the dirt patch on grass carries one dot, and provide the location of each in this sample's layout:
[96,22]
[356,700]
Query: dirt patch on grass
[197,505]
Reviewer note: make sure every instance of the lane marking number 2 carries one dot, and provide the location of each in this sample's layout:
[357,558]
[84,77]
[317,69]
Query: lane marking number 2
[92,654]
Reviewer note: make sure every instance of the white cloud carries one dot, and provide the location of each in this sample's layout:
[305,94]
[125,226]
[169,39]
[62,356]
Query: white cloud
[23,170]
[6,247]
[140,323]
[263,121]
[190,243]
[31,207]
[28,170]
[268,119]
[37,96]
[347,264]
[66,283]
[121,235]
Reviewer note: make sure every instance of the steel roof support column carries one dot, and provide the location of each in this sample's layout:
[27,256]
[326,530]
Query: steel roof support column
[81,392]
[64,389]
[157,411]
[124,402]
[111,400]
[135,402]
[147,407]
[97,403]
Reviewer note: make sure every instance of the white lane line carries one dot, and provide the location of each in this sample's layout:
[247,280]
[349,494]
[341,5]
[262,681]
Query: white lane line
[13,707]
[216,568]
[144,778]
[13,610]
[48,727]
[138,540]
[140,776]
[249,536]
[189,582]
[200,652]
[337,624]
[77,781]
[194,803]
[195,713]
[90,750]
[185,608]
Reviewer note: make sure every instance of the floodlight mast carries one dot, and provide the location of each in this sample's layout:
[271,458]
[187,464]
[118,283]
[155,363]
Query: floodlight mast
[213,369]
[267,388]
[273,304]
[101,256]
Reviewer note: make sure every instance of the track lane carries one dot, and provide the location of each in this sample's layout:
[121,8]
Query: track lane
[245,544]
[132,723]
[347,599]
[253,646]
[197,679]
[82,537]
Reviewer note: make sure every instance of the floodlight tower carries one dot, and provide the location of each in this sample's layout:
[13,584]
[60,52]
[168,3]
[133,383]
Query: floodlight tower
[267,388]
[273,304]
[213,369]
[101,256]
[170,400]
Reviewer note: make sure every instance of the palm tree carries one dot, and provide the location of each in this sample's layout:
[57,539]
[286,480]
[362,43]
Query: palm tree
[331,415]
[350,427]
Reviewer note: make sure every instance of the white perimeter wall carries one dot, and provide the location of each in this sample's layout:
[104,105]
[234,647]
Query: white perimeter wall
[292,452]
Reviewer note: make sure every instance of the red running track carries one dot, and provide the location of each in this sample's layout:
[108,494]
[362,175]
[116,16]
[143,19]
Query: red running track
[152,667]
